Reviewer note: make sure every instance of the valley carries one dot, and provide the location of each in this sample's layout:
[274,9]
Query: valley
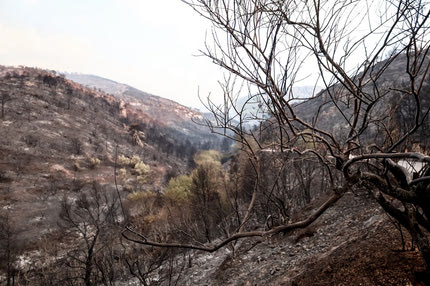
[310,164]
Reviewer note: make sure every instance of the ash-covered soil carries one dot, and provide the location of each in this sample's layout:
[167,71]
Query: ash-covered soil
[50,131]
[353,243]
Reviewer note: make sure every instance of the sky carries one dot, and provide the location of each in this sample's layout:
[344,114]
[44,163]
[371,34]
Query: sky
[148,44]
[152,45]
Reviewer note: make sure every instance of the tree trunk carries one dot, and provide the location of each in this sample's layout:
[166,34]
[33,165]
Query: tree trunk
[2,109]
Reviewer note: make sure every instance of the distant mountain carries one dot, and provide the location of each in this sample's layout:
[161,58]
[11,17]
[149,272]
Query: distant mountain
[150,107]
[107,85]
[252,108]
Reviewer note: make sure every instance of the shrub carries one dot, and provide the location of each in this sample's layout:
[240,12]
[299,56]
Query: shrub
[122,160]
[138,196]
[126,161]
[148,219]
[122,174]
[77,167]
[134,160]
[93,163]
[141,179]
[31,140]
[141,168]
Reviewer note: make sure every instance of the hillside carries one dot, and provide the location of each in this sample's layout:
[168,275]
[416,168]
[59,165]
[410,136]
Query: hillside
[179,120]
[389,84]
[353,243]
[59,137]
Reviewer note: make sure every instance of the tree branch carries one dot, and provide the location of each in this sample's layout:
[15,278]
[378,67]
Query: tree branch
[283,228]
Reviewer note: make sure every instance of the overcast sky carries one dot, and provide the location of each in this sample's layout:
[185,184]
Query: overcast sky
[148,44]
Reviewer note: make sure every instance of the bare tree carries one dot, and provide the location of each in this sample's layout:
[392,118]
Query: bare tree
[69,97]
[5,97]
[76,146]
[154,266]
[91,218]
[8,249]
[267,47]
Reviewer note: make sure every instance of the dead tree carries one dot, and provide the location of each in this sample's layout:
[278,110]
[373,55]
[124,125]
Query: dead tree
[91,218]
[9,250]
[358,49]
[5,97]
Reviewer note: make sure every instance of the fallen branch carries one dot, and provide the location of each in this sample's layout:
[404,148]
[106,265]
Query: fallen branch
[139,238]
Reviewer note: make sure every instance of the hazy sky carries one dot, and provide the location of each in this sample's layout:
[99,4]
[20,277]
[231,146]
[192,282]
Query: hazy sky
[148,44]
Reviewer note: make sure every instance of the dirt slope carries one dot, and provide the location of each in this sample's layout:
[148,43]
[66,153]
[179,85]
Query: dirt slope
[353,243]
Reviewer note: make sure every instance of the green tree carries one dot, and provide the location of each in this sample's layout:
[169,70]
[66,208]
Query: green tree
[178,190]
[208,156]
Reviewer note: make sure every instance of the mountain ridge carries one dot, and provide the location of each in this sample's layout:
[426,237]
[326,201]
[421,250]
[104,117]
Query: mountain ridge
[186,122]
[121,90]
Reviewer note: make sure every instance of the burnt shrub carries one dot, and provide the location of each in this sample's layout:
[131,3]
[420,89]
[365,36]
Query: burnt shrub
[30,140]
